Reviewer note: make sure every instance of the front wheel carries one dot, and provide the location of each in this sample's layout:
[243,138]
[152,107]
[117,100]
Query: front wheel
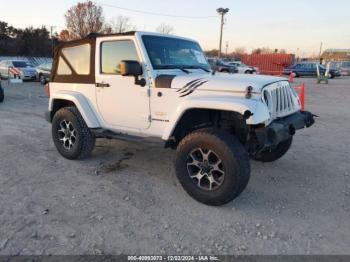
[72,138]
[212,166]
[42,79]
[2,96]
[271,155]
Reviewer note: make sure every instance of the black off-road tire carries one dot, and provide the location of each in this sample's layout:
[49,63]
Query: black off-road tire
[42,79]
[2,96]
[276,153]
[85,139]
[235,161]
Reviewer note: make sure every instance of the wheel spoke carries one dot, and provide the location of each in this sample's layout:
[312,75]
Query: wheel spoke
[194,162]
[216,167]
[205,155]
[198,175]
[212,181]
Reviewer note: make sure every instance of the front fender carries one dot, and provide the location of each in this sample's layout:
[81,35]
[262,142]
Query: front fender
[259,111]
[81,103]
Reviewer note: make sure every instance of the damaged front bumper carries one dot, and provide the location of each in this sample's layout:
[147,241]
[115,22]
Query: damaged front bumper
[282,129]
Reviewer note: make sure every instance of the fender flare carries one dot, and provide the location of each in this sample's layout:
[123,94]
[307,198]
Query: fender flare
[238,105]
[81,103]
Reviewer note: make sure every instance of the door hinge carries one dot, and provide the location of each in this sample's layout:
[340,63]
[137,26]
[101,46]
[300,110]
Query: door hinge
[149,118]
[149,93]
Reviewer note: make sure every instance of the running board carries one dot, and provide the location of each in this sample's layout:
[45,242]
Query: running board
[103,133]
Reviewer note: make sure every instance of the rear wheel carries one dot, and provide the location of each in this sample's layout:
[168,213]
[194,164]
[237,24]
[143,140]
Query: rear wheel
[212,166]
[2,96]
[276,153]
[72,138]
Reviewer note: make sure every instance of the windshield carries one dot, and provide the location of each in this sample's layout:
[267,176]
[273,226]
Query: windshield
[168,53]
[20,64]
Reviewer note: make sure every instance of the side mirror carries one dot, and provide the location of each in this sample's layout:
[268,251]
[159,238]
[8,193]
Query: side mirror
[132,68]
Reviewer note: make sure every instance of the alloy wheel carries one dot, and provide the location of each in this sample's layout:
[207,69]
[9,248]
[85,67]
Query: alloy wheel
[206,169]
[67,134]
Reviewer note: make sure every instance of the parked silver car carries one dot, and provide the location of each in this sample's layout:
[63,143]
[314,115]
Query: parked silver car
[25,69]
[343,67]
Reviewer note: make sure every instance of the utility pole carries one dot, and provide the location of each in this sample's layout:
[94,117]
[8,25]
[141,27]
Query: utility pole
[221,11]
[52,40]
[226,48]
[320,50]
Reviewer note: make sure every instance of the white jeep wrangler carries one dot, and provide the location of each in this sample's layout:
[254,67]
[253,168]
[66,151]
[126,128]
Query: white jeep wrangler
[139,85]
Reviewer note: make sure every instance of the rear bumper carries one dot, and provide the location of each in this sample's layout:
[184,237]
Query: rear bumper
[283,128]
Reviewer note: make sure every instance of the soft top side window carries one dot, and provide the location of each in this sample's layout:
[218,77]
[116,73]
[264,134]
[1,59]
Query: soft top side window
[63,68]
[76,57]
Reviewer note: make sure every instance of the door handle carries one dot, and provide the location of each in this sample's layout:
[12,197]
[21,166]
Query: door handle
[103,85]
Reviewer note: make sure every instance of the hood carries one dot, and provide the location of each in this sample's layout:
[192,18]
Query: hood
[27,69]
[219,82]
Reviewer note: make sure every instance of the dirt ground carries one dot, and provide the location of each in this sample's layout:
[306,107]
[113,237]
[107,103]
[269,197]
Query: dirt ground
[125,199]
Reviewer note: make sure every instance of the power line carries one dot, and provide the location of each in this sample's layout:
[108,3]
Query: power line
[155,14]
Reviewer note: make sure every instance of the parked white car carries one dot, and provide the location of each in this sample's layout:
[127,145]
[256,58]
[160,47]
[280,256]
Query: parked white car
[140,86]
[25,69]
[243,68]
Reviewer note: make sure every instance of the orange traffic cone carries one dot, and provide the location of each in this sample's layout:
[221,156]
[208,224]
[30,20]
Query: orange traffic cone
[301,94]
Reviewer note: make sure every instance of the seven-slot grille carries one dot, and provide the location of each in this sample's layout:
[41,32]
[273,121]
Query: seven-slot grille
[280,99]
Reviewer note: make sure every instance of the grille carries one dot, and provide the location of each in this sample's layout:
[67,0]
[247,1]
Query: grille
[281,99]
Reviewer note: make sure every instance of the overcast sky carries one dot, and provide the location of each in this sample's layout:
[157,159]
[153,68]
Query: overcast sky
[292,24]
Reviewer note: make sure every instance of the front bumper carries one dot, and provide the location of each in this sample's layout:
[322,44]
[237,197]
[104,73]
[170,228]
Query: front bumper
[283,128]
[28,76]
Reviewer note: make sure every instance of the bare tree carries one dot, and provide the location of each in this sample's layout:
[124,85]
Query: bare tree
[83,19]
[165,29]
[282,51]
[240,50]
[119,24]
[64,35]
[263,50]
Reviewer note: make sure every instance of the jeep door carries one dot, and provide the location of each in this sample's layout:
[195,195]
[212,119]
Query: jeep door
[121,103]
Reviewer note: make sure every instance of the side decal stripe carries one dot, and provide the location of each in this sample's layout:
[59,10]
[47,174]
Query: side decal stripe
[188,84]
[191,90]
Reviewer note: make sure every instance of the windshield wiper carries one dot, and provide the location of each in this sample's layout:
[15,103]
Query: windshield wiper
[184,70]
[174,67]
[198,67]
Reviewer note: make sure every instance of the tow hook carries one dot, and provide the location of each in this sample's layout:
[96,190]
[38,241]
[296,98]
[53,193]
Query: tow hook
[309,119]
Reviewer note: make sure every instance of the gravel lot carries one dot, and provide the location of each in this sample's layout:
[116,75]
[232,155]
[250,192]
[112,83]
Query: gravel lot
[126,199]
